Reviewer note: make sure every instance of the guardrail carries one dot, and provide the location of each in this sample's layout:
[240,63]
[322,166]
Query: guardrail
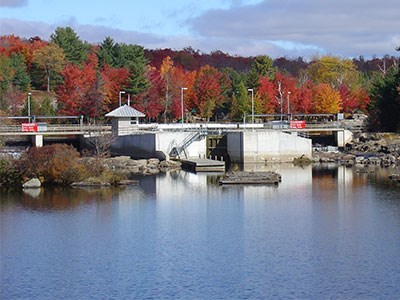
[60,129]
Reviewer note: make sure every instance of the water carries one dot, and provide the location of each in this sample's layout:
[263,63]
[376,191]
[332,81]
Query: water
[323,233]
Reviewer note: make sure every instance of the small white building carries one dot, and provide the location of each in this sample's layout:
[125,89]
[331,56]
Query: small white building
[124,119]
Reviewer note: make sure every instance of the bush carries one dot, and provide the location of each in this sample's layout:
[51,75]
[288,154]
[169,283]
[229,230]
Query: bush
[9,173]
[56,163]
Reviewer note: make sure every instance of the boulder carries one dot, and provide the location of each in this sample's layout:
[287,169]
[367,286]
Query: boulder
[395,177]
[153,161]
[34,183]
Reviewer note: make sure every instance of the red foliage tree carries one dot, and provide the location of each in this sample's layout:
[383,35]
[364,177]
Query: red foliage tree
[301,99]
[113,79]
[80,93]
[353,99]
[150,102]
[209,85]
[265,96]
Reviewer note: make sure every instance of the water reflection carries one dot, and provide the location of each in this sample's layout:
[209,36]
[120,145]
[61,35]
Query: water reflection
[323,232]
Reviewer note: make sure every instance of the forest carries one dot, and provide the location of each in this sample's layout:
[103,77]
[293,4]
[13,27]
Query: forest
[68,76]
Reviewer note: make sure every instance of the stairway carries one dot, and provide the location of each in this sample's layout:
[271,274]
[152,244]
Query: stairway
[176,151]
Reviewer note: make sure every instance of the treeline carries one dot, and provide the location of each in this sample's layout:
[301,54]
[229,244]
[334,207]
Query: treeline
[82,79]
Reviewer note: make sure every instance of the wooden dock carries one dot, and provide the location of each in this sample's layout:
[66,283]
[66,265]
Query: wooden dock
[203,165]
[251,178]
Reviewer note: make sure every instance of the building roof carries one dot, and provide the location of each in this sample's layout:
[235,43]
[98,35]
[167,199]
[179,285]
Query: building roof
[125,111]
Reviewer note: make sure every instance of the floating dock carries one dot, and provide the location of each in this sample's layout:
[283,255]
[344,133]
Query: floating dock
[203,165]
[251,178]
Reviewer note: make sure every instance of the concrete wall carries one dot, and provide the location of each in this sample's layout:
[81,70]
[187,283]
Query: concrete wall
[156,145]
[165,141]
[266,146]
[343,137]
[135,146]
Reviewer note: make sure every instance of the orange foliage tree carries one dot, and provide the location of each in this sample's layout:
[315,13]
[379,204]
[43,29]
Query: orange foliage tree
[325,99]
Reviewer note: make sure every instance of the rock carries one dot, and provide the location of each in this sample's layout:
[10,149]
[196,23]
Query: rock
[359,160]
[168,165]
[395,177]
[89,184]
[128,182]
[151,171]
[34,183]
[153,161]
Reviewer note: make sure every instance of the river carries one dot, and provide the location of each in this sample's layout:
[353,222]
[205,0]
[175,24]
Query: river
[323,233]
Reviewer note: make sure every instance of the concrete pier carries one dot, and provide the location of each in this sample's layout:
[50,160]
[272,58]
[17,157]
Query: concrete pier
[266,146]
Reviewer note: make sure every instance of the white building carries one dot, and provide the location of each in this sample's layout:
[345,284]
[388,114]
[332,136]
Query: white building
[124,119]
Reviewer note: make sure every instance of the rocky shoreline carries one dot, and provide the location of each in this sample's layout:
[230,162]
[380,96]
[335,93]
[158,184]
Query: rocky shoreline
[366,149]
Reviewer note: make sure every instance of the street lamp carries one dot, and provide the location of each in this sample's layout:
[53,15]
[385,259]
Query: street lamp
[182,89]
[120,92]
[29,107]
[288,104]
[252,105]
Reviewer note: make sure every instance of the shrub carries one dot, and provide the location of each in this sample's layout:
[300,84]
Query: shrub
[9,173]
[56,163]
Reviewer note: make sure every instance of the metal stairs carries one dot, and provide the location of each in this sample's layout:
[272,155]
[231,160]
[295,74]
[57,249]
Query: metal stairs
[177,150]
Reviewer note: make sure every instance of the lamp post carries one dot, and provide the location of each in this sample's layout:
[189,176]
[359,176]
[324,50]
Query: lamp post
[29,107]
[182,89]
[252,105]
[288,105]
[120,92]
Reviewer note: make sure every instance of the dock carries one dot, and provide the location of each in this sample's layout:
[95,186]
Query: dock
[251,178]
[203,165]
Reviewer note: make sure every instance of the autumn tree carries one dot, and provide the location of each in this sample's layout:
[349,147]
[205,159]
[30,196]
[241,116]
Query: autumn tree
[150,102]
[51,59]
[353,99]
[301,100]
[333,71]
[114,80]
[166,73]
[285,87]
[76,51]
[265,96]
[80,92]
[325,100]
[210,85]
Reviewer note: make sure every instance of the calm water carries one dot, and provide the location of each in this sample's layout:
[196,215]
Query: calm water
[323,233]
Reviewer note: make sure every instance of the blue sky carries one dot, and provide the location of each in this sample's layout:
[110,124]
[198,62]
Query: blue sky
[240,27]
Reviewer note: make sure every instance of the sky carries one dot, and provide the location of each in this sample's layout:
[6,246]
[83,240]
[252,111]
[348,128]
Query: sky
[289,28]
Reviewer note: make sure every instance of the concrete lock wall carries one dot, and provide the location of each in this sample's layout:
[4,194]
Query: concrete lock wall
[135,146]
[267,146]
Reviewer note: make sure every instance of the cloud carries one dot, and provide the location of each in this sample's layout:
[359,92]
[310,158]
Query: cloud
[339,27]
[91,33]
[13,3]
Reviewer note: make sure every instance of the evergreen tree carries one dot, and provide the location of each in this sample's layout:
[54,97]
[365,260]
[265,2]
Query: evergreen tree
[107,53]
[46,108]
[385,105]
[21,77]
[240,102]
[76,51]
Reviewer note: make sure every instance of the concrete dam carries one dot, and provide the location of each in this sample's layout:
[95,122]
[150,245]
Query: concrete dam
[240,146]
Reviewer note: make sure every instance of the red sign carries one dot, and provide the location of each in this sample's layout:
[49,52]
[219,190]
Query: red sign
[29,127]
[297,124]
